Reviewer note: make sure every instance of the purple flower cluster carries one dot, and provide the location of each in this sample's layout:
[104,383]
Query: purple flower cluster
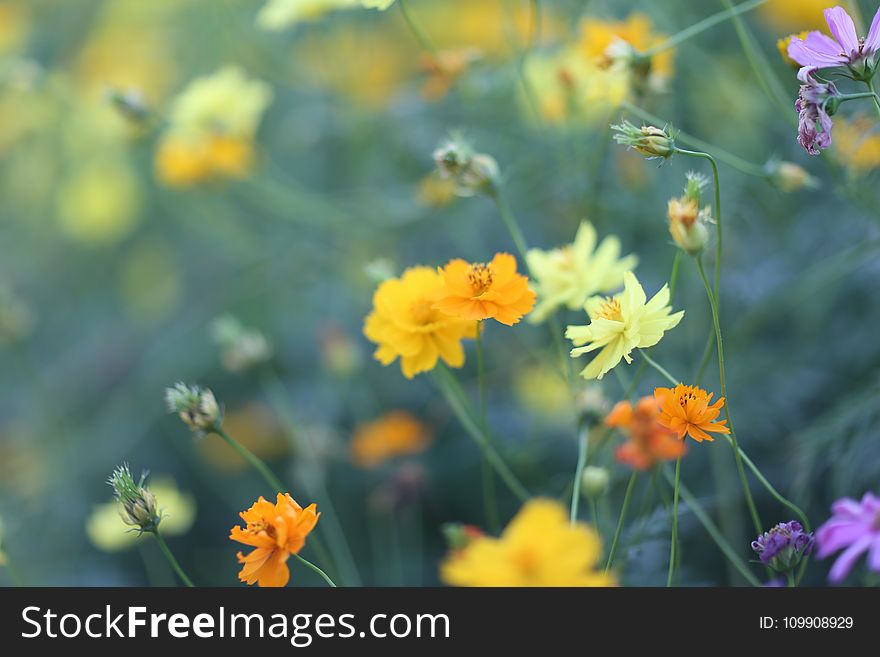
[816,102]
[783,546]
[856,527]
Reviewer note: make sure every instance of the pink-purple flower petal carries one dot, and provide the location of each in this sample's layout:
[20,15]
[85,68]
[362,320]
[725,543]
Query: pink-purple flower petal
[872,41]
[843,29]
[848,558]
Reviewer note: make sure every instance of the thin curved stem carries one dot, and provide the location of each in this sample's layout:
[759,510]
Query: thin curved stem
[320,572]
[702,26]
[416,29]
[583,448]
[719,342]
[657,366]
[252,459]
[171,560]
[489,497]
[870,84]
[623,509]
[457,400]
[519,241]
[673,546]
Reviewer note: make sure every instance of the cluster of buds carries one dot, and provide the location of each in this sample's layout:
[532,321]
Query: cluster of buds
[473,173]
[594,482]
[650,141]
[687,219]
[196,406]
[241,348]
[137,505]
[783,547]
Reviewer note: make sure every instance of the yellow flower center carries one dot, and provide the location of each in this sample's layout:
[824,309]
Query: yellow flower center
[527,561]
[610,309]
[480,278]
[421,311]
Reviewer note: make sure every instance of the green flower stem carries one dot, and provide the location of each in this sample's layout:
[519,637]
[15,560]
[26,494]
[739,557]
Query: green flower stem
[653,363]
[762,68]
[457,400]
[738,163]
[489,497]
[870,84]
[623,509]
[713,531]
[673,545]
[519,241]
[583,449]
[416,29]
[702,26]
[316,569]
[252,459]
[719,342]
[171,560]
[343,559]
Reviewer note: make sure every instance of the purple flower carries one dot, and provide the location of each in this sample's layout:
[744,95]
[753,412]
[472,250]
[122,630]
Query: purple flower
[845,49]
[854,526]
[816,102]
[783,546]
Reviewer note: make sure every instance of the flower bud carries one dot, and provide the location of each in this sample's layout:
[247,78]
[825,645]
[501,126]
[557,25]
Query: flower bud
[138,506]
[790,177]
[472,173]
[687,225]
[196,406]
[459,536]
[379,270]
[594,482]
[650,141]
[592,405]
[241,348]
[783,547]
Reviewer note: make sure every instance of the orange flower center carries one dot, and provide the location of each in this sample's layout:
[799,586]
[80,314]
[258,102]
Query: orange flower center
[610,309]
[480,278]
[527,561]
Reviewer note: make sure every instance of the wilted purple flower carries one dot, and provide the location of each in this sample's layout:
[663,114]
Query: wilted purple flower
[783,546]
[816,102]
[854,526]
[845,49]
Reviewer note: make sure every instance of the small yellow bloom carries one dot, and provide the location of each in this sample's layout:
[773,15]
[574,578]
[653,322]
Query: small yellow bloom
[405,324]
[795,14]
[620,324]
[782,47]
[538,548]
[485,291]
[394,434]
[569,275]
[857,141]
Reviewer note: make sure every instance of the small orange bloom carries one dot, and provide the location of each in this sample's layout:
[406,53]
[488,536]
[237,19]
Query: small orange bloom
[688,410]
[485,291]
[393,434]
[276,531]
[649,441]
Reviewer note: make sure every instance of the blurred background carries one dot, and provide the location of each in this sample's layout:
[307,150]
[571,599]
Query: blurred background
[208,191]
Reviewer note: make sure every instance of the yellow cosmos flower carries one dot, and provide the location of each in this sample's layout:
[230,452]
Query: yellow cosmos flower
[857,141]
[795,14]
[620,324]
[569,275]
[782,46]
[405,324]
[538,548]
[394,434]
[485,291]
[212,125]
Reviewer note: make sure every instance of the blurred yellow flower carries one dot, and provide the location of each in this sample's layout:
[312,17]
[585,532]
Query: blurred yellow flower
[444,68]
[14,26]
[795,14]
[278,15]
[857,143]
[620,324]
[100,202]
[568,275]
[212,124]
[405,324]
[538,548]
[543,391]
[435,190]
[610,44]
[107,531]
[397,433]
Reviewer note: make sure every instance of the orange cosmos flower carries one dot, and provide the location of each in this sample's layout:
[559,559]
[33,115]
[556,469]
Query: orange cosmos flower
[649,441]
[483,291]
[394,434]
[688,410]
[276,531]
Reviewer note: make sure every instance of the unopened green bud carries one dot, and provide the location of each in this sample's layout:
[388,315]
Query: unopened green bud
[473,173]
[459,536]
[594,482]
[790,177]
[196,406]
[138,506]
[650,141]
